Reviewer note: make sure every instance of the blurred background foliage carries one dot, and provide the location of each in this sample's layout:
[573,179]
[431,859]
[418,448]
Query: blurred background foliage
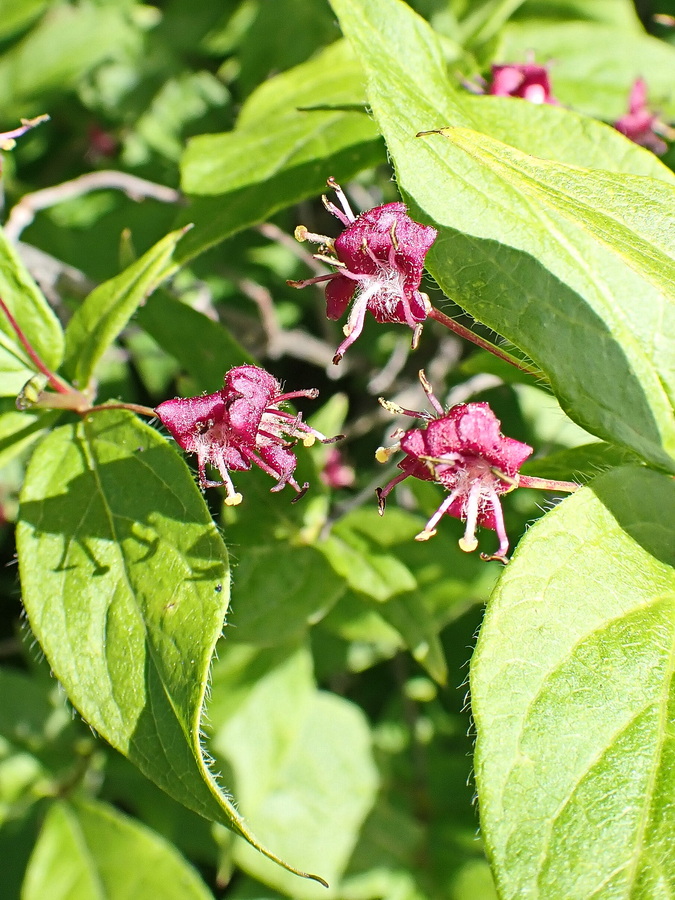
[338,712]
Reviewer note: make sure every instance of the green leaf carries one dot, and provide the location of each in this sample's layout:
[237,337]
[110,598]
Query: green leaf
[19,430]
[355,549]
[303,767]
[125,582]
[280,152]
[204,348]
[595,64]
[35,318]
[89,851]
[108,308]
[413,621]
[572,694]
[17,14]
[64,45]
[279,591]
[530,248]
[579,463]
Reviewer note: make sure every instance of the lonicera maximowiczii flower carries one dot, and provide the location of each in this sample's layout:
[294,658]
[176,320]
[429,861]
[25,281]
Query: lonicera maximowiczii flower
[379,260]
[463,450]
[241,425]
[526,80]
[640,124]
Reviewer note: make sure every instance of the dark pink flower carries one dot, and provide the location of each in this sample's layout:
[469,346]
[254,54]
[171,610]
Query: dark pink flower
[380,259]
[639,123]
[335,473]
[526,80]
[463,450]
[241,425]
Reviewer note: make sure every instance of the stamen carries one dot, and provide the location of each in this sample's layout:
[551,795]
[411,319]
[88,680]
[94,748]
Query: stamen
[429,391]
[397,410]
[383,493]
[310,393]
[469,542]
[430,528]
[384,454]
[393,234]
[296,487]
[302,234]
[329,260]
[500,529]
[416,335]
[344,203]
[307,281]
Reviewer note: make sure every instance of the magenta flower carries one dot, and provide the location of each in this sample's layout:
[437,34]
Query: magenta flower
[336,473]
[639,123]
[379,259]
[464,451]
[241,425]
[526,80]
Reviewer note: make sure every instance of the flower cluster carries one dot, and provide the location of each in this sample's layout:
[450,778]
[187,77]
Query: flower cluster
[640,124]
[463,450]
[243,424]
[379,260]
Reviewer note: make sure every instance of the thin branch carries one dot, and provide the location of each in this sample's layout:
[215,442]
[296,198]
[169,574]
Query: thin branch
[136,188]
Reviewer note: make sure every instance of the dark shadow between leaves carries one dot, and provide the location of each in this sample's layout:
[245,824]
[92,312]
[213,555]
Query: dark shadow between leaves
[643,503]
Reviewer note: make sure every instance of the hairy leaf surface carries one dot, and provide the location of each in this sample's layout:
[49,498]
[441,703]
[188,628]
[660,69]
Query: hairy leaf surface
[572,687]
[125,581]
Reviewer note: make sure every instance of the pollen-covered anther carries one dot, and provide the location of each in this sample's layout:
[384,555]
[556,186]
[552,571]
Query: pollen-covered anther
[384,454]
[468,545]
[233,499]
[308,440]
[425,535]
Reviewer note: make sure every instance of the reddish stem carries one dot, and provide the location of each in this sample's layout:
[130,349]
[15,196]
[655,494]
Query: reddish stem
[132,407]
[547,484]
[57,383]
[484,344]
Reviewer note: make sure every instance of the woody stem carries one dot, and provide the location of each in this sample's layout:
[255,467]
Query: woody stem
[484,344]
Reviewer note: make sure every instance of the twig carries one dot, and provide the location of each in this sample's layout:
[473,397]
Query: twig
[23,213]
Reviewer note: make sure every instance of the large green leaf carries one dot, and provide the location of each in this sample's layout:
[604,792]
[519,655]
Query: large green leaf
[125,582]
[302,762]
[89,851]
[282,150]
[109,307]
[572,692]
[518,247]
[35,318]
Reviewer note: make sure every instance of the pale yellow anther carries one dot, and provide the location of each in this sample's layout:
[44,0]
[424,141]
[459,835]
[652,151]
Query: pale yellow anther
[384,454]
[468,546]
[425,535]
[347,329]
[308,440]
[392,408]
[300,233]
[233,499]
[426,301]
